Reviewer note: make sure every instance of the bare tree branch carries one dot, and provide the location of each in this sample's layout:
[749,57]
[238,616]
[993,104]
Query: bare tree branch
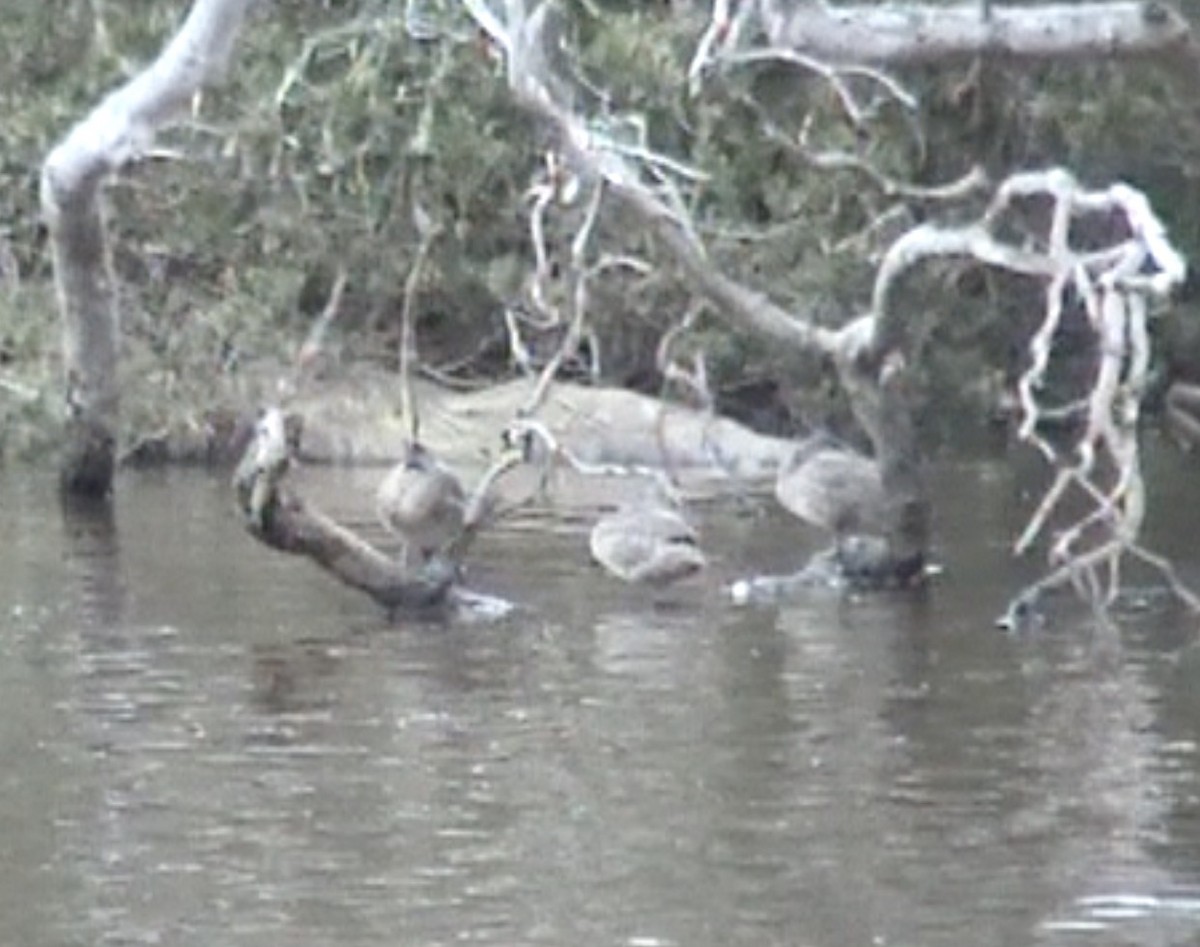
[408,336]
[314,343]
[1114,284]
[835,75]
[119,131]
[278,517]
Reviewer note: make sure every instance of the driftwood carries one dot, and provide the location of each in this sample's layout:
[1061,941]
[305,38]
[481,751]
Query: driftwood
[277,516]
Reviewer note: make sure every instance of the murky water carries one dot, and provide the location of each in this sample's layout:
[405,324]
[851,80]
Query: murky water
[204,742]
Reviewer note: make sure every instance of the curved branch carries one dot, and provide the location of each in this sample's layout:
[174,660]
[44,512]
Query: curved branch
[832,74]
[872,352]
[119,130]
[622,180]
[279,518]
[653,200]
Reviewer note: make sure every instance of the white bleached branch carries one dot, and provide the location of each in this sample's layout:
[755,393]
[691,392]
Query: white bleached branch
[120,130]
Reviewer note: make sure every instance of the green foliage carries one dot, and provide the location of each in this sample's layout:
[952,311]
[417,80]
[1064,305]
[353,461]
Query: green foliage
[29,372]
[335,129]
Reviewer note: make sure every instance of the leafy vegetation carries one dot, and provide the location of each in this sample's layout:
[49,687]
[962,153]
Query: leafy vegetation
[337,132]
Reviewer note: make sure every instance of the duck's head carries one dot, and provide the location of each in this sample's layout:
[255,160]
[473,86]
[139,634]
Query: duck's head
[416,455]
[532,439]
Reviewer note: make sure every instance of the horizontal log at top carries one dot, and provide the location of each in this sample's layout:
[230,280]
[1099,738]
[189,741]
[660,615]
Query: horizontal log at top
[902,34]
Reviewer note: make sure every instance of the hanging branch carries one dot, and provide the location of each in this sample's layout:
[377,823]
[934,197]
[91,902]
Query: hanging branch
[693,380]
[651,191]
[577,328]
[408,335]
[835,76]
[570,341]
[1115,285]
[314,343]
[873,352]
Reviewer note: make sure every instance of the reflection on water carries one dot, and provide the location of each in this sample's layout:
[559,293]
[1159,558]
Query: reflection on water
[206,742]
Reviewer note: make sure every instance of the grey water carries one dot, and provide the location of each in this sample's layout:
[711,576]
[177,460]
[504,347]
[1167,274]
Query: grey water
[206,742]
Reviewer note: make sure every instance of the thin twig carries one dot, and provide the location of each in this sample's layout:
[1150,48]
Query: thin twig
[523,428]
[314,342]
[834,75]
[408,335]
[19,391]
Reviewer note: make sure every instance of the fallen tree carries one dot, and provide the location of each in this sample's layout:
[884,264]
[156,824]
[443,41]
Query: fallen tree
[1113,286]
[873,352]
[919,34]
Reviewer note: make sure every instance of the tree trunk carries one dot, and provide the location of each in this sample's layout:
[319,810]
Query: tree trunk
[118,131]
[871,352]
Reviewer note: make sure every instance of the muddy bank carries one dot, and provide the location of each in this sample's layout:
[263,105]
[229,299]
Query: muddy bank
[355,419]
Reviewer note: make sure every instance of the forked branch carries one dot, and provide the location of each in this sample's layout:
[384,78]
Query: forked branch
[278,517]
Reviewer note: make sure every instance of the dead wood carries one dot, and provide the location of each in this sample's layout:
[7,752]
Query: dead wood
[914,33]
[119,131]
[1116,284]
[276,515]
[643,185]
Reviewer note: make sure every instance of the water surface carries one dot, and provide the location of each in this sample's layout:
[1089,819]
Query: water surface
[206,742]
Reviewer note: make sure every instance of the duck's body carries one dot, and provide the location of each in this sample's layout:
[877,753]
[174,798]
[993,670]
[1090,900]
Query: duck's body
[832,487]
[647,543]
[421,501]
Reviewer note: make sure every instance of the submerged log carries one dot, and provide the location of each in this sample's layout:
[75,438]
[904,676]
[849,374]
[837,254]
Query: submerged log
[275,515]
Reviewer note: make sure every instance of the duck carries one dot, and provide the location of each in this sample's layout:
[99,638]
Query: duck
[828,485]
[648,541]
[421,501]
[647,544]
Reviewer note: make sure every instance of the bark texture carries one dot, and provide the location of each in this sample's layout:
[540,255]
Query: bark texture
[278,517]
[871,363]
[910,34]
[118,131]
